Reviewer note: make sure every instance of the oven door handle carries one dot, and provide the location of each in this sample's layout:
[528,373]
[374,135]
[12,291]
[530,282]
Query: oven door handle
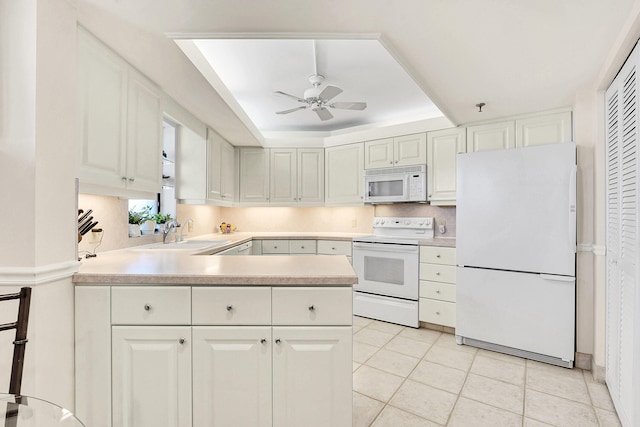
[388,247]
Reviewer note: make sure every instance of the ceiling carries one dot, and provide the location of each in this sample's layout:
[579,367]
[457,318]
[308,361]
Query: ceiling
[517,57]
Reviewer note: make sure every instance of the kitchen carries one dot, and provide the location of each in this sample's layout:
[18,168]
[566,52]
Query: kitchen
[37,248]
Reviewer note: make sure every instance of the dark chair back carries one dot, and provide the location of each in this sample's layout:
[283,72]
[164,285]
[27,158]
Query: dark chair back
[20,341]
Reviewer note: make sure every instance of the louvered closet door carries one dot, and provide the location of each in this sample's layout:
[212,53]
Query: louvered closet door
[623,376]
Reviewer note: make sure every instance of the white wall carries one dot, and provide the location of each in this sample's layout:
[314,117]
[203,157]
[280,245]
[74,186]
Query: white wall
[37,161]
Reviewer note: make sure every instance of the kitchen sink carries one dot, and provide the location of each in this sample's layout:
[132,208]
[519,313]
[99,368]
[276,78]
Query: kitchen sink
[186,245]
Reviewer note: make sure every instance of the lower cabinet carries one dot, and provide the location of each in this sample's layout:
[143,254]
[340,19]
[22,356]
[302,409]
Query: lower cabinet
[438,285]
[225,356]
[151,364]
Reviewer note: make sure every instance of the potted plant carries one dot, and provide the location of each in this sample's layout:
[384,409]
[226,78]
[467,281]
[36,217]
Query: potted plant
[148,224]
[135,218]
[161,220]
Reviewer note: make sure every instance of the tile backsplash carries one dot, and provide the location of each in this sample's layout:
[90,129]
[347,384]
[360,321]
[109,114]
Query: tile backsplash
[111,212]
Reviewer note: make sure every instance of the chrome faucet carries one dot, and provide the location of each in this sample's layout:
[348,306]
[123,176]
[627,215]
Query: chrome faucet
[167,229]
[186,225]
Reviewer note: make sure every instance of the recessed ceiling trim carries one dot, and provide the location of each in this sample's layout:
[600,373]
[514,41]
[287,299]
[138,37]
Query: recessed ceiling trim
[276,36]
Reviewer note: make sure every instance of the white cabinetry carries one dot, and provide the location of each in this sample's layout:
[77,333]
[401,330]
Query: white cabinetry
[399,151]
[191,165]
[544,129]
[297,176]
[262,356]
[151,364]
[442,158]
[220,168]
[119,126]
[254,176]
[438,285]
[344,174]
[492,136]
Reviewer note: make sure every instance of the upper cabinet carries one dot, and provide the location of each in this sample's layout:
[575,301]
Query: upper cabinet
[191,167]
[344,174]
[442,154]
[399,151]
[119,124]
[544,129]
[254,176]
[492,136]
[297,176]
[220,169]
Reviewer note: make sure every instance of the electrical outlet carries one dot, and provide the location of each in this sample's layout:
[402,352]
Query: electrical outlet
[354,223]
[189,226]
[95,236]
[442,227]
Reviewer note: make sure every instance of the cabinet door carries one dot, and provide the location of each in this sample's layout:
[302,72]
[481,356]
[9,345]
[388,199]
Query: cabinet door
[102,89]
[311,176]
[378,153]
[312,376]
[493,136]
[214,163]
[191,167]
[410,150]
[443,148]
[254,175]
[232,376]
[151,376]
[283,176]
[546,129]
[344,174]
[227,171]
[144,135]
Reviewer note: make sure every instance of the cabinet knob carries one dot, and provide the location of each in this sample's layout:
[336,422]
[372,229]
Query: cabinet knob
[333,249]
[438,291]
[124,178]
[396,161]
[278,341]
[438,256]
[181,340]
[390,162]
[275,247]
[437,273]
[301,247]
[147,307]
[312,308]
[131,179]
[438,313]
[229,307]
[263,341]
[429,195]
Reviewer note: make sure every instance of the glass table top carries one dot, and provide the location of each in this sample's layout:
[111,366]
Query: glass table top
[25,411]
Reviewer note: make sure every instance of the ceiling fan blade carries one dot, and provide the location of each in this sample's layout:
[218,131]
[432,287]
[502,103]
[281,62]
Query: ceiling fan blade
[323,113]
[349,105]
[279,92]
[329,92]
[291,110]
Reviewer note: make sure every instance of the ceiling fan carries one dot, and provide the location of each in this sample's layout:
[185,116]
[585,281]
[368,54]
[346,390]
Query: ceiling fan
[318,99]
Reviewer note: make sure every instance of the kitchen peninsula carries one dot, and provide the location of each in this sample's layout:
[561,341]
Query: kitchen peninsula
[167,338]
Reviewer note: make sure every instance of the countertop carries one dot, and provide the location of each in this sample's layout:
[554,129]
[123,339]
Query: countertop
[136,265]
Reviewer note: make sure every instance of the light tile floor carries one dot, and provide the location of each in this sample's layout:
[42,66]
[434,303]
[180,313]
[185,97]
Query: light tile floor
[405,377]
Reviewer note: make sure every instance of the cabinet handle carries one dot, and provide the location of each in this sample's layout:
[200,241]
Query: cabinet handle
[263,341]
[278,341]
[147,307]
[312,308]
[229,307]
[181,340]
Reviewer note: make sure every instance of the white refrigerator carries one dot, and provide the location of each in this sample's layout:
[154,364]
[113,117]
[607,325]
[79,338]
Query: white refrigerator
[516,245]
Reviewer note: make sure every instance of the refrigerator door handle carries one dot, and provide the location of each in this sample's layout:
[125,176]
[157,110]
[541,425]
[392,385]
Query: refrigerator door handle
[557,278]
[572,208]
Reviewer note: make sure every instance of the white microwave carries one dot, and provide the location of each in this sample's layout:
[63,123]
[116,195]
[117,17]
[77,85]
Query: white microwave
[399,184]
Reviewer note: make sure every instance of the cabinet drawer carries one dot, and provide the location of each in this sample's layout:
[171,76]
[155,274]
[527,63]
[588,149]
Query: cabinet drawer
[438,312]
[334,247]
[438,255]
[312,306]
[151,305]
[437,290]
[438,272]
[302,247]
[231,305]
[275,247]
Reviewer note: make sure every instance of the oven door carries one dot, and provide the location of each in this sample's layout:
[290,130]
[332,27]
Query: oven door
[387,269]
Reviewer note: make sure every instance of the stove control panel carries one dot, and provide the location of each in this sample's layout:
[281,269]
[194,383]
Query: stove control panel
[421,223]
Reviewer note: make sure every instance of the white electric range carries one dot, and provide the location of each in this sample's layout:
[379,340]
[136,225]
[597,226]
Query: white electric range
[387,264]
